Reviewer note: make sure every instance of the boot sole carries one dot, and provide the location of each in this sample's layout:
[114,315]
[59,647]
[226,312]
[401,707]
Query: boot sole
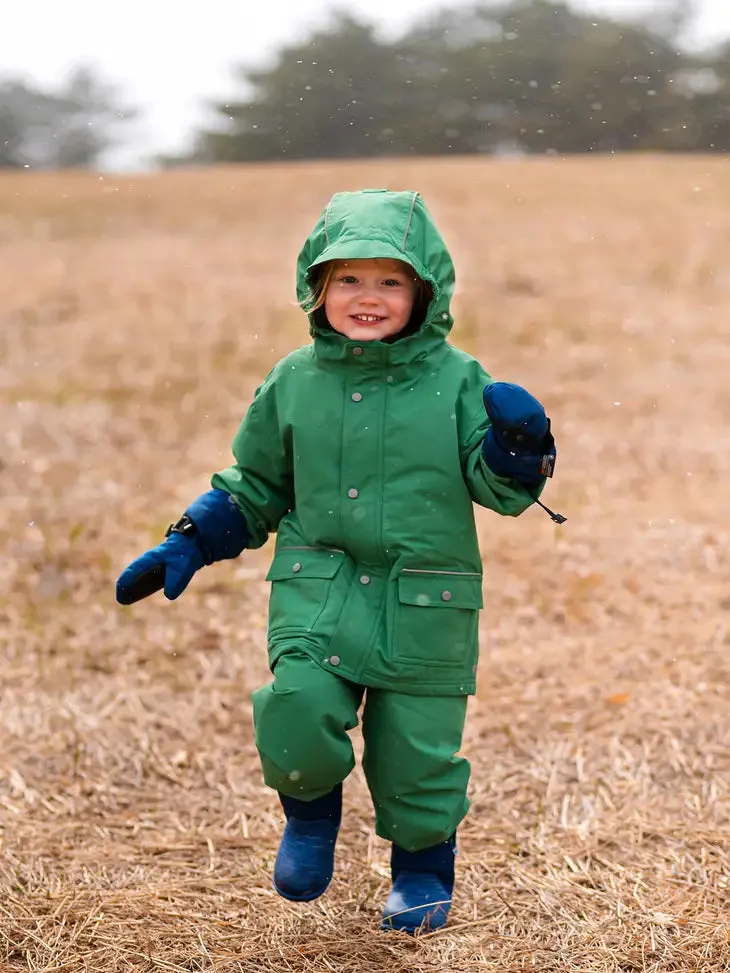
[309,897]
[395,922]
[387,926]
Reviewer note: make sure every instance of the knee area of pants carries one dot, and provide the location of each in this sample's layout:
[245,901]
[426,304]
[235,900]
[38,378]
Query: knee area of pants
[298,755]
[301,756]
[301,774]
[301,706]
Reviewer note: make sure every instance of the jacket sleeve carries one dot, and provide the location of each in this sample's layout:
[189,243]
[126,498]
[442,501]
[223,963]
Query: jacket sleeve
[261,479]
[498,493]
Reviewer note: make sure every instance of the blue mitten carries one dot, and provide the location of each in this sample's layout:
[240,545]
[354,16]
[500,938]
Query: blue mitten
[518,444]
[211,529]
[171,565]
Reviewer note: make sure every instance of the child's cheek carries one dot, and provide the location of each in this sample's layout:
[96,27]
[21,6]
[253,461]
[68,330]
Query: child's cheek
[406,306]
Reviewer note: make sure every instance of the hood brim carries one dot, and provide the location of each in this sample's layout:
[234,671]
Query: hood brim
[369,250]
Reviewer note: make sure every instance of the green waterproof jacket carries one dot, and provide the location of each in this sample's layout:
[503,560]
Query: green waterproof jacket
[366,460]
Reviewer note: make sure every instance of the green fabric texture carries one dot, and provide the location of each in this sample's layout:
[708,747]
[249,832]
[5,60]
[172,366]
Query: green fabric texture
[365,458]
[418,785]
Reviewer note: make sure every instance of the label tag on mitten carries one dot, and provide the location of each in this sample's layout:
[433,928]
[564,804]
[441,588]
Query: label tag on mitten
[547,465]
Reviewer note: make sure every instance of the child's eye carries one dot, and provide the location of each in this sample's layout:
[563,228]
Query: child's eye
[347,279]
[392,282]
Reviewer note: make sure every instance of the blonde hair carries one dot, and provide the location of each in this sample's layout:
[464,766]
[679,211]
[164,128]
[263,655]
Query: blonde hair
[322,278]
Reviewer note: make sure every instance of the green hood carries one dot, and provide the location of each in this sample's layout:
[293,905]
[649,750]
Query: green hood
[385,224]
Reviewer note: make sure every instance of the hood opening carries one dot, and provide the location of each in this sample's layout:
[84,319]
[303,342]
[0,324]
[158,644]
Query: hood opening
[424,299]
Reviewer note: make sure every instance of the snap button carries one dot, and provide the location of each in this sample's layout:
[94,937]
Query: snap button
[352,493]
[389,379]
[357,352]
[334,660]
[446,596]
[365,579]
[296,567]
[357,396]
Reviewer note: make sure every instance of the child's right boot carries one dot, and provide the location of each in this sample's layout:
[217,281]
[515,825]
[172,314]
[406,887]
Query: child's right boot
[306,858]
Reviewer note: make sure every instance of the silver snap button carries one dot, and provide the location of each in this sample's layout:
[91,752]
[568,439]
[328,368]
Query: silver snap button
[352,493]
[296,567]
[389,379]
[357,352]
[446,596]
[357,396]
[334,660]
[365,579]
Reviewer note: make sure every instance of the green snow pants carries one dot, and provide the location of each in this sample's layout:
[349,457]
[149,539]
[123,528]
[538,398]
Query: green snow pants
[417,784]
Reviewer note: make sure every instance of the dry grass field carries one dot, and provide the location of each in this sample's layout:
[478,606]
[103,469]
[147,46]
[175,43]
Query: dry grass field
[137,316]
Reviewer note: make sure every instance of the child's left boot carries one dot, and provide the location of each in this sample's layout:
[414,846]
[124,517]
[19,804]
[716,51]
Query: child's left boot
[306,858]
[423,883]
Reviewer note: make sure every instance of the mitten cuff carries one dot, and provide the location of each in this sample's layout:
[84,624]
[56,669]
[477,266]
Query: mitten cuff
[221,527]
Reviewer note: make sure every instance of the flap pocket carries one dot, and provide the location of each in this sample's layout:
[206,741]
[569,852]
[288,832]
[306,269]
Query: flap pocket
[440,589]
[305,562]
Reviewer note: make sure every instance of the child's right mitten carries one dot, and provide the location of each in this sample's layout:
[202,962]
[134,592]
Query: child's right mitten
[519,443]
[211,529]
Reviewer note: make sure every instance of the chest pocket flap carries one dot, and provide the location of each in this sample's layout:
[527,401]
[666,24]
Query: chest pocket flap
[440,589]
[305,562]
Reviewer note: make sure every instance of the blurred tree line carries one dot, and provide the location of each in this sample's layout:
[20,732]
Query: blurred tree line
[529,76]
[65,129]
[500,76]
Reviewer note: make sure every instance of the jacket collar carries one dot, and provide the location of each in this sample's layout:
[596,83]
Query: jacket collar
[334,348]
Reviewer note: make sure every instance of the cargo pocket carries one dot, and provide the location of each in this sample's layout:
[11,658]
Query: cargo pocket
[302,579]
[437,617]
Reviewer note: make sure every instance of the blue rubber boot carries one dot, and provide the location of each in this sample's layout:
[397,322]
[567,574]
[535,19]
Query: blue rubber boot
[423,882]
[306,858]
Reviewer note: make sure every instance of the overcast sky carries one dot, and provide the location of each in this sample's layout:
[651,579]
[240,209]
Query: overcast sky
[170,56]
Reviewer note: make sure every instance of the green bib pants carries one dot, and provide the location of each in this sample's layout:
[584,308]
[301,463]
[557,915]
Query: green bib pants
[418,785]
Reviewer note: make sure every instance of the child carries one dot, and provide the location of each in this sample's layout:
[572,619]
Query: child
[365,451]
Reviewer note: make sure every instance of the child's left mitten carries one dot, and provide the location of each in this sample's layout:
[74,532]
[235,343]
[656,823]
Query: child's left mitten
[518,444]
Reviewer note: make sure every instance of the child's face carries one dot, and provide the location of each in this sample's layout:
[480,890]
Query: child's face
[369,300]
